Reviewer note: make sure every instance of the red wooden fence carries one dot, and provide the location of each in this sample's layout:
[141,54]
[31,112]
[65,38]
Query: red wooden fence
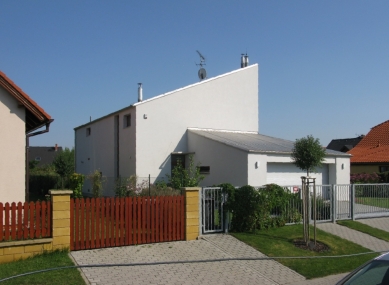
[108,222]
[25,221]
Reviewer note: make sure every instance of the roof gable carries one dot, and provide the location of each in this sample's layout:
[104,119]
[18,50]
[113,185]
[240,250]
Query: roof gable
[374,147]
[35,115]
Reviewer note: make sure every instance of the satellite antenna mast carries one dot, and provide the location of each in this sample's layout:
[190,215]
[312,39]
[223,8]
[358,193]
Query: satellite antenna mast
[202,72]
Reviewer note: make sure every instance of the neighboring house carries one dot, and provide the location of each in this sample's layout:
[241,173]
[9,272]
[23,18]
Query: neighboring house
[371,154]
[44,155]
[344,145]
[20,116]
[203,119]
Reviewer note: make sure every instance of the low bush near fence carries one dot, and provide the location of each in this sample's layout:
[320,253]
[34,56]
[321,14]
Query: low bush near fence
[135,186]
[263,208]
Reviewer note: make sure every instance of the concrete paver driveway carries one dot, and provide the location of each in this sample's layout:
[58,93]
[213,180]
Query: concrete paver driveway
[212,247]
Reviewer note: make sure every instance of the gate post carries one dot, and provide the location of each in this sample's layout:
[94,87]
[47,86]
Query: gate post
[192,216]
[60,203]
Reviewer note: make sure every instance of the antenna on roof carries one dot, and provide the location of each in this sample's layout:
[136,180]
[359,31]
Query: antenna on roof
[202,72]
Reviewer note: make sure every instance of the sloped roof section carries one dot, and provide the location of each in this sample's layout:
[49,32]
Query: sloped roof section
[344,145]
[253,141]
[36,117]
[374,147]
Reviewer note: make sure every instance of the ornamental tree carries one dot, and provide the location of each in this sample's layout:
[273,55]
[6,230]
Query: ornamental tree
[307,154]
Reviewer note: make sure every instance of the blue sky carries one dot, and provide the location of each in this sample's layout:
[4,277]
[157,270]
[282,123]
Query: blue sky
[324,65]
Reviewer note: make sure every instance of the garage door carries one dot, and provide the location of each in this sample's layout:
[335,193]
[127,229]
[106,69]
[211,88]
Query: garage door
[288,174]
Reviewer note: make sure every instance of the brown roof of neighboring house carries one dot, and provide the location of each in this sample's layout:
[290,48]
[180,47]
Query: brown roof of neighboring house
[36,117]
[374,147]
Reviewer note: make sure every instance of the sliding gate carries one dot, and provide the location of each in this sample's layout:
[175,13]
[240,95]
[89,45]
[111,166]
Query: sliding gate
[212,200]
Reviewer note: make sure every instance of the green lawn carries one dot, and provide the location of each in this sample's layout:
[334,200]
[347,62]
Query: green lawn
[365,229]
[278,242]
[376,202]
[40,262]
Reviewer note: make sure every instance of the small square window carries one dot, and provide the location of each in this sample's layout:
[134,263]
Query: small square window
[205,169]
[88,131]
[127,121]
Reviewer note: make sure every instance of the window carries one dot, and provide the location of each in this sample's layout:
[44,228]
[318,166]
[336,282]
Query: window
[205,169]
[384,168]
[38,158]
[127,121]
[88,131]
[177,160]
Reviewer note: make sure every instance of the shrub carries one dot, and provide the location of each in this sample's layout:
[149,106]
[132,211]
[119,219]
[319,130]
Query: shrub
[96,180]
[182,177]
[364,178]
[245,209]
[76,182]
[270,206]
[131,187]
[41,183]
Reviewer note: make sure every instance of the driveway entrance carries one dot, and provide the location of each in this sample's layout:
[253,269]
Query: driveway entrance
[214,246]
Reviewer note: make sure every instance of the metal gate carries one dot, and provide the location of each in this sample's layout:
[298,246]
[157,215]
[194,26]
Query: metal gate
[212,218]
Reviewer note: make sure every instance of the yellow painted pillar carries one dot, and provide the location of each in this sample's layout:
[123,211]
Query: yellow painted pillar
[60,203]
[192,212]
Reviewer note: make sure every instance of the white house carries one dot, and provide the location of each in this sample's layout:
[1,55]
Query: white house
[20,116]
[146,138]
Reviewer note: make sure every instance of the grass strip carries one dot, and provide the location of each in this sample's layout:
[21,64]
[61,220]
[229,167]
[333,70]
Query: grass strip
[279,242]
[378,233]
[47,260]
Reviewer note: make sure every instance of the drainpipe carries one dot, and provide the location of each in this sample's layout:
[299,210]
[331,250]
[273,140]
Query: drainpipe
[27,196]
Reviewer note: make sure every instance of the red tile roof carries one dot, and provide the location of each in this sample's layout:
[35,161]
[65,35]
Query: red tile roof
[40,117]
[374,147]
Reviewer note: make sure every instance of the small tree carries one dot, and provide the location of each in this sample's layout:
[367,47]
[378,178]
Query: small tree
[64,163]
[182,177]
[96,179]
[308,154]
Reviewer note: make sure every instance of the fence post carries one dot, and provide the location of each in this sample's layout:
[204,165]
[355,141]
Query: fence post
[333,187]
[60,203]
[192,212]
[352,201]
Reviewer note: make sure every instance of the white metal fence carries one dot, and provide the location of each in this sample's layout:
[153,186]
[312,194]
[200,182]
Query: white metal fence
[333,202]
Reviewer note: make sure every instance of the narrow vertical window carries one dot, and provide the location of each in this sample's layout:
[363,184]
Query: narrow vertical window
[127,121]
[88,131]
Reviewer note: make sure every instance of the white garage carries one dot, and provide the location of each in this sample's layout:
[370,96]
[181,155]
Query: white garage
[289,174]
[249,158]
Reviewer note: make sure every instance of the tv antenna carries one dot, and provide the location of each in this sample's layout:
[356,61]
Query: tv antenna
[202,72]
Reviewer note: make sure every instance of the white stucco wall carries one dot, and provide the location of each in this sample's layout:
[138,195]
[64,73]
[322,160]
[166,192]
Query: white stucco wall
[96,151]
[227,164]
[257,169]
[12,149]
[340,171]
[228,102]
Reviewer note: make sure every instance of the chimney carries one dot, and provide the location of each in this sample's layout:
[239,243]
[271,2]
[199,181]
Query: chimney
[140,92]
[244,60]
[56,147]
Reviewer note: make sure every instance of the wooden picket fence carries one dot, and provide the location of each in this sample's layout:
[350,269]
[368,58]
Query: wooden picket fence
[23,221]
[109,222]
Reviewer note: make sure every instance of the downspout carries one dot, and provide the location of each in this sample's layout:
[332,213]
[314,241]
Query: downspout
[27,196]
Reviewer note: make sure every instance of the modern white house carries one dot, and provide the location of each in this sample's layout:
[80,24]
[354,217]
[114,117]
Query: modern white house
[20,116]
[215,119]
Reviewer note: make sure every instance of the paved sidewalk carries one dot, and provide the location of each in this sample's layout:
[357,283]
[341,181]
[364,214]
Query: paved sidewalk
[365,240]
[379,223]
